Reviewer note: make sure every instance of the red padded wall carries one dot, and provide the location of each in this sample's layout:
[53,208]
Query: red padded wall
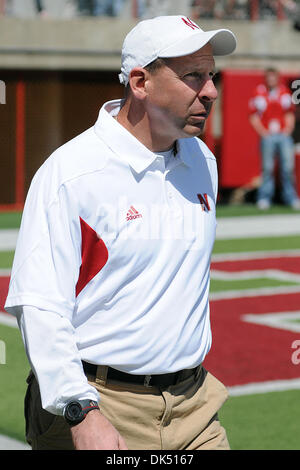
[240,155]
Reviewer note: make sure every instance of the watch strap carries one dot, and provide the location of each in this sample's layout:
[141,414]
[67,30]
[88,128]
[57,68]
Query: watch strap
[88,405]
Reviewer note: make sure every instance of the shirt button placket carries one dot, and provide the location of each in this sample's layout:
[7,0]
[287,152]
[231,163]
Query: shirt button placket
[175,212]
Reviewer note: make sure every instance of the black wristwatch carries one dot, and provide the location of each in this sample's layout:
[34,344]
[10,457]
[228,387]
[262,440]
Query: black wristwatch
[75,411]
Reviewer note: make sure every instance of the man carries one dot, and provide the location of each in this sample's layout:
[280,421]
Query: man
[272,117]
[108,7]
[111,273]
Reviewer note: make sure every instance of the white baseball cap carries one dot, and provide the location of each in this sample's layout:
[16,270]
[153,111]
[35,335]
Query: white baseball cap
[169,36]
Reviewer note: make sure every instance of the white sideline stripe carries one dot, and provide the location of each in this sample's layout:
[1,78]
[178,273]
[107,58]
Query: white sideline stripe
[7,443]
[251,255]
[8,239]
[8,320]
[264,387]
[261,226]
[276,274]
[5,272]
[257,292]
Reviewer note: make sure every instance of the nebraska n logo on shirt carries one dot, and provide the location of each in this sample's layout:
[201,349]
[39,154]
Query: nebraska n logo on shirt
[204,201]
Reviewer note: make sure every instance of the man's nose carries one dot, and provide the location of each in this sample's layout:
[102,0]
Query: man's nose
[208,91]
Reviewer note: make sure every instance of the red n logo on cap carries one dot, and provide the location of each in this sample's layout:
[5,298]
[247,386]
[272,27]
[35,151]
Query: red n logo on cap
[190,23]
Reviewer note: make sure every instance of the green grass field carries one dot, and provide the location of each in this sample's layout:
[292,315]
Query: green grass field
[218,286]
[10,219]
[13,376]
[267,421]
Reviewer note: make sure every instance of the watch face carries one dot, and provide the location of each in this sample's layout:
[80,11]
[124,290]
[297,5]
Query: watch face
[74,411]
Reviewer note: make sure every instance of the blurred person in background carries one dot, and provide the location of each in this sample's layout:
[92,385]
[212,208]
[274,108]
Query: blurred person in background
[39,5]
[292,8]
[235,9]
[40,8]
[2,7]
[296,24]
[203,8]
[276,8]
[85,7]
[157,7]
[100,7]
[272,117]
[108,7]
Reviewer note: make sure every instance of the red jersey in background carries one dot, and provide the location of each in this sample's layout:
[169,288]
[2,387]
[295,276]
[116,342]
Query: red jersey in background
[271,106]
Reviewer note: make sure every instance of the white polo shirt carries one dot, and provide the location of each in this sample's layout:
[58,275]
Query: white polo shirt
[118,245]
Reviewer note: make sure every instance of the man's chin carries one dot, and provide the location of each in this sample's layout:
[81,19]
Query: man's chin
[194,130]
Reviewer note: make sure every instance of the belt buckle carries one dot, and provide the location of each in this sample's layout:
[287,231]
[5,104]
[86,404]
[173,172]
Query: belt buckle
[147,380]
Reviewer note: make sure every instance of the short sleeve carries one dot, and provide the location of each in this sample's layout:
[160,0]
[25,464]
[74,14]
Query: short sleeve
[257,103]
[286,101]
[47,258]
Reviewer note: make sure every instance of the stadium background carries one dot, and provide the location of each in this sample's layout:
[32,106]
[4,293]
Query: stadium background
[58,66]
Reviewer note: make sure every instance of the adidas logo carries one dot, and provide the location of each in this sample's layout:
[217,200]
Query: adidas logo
[133,214]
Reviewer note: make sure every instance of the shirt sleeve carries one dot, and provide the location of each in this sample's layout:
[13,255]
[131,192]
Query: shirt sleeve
[286,101]
[43,287]
[257,103]
[50,345]
[48,252]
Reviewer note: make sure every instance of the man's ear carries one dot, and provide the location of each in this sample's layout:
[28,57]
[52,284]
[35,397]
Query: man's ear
[137,80]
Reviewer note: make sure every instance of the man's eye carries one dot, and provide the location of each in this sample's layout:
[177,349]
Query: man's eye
[195,75]
[199,76]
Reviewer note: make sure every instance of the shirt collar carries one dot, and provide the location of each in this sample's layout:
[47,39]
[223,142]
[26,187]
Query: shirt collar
[122,142]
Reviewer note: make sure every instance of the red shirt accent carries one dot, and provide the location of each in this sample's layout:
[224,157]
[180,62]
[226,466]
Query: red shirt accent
[94,255]
[271,106]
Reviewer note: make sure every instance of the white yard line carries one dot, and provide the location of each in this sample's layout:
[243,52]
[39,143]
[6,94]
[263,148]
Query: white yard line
[8,320]
[5,272]
[261,226]
[276,274]
[257,292]
[288,321]
[8,239]
[7,443]
[245,255]
[264,387]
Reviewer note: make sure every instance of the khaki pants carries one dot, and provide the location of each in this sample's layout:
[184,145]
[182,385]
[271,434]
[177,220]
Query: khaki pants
[179,417]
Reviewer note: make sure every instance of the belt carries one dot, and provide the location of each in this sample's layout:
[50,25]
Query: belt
[164,380]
